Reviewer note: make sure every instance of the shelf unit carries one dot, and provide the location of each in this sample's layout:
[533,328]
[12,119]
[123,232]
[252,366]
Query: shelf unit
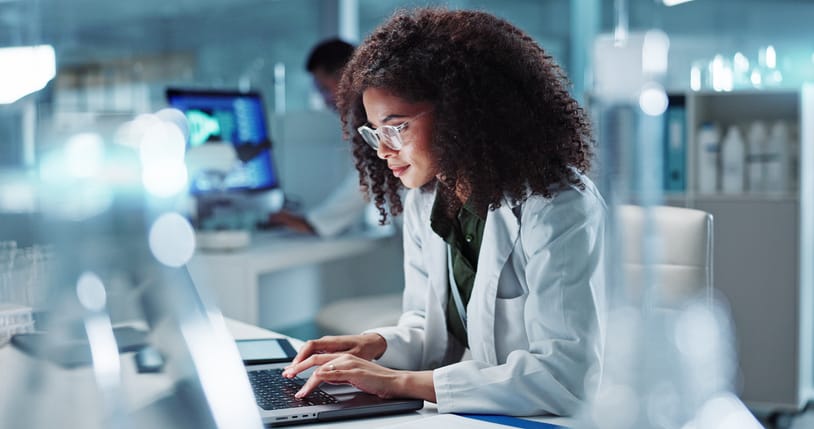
[758,251]
[740,109]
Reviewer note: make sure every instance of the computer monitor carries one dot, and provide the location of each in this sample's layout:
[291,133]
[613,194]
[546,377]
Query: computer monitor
[235,117]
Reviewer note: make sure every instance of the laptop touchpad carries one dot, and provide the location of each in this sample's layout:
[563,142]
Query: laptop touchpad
[338,389]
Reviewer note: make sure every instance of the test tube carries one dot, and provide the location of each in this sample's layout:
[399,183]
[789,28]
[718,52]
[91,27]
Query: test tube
[8,252]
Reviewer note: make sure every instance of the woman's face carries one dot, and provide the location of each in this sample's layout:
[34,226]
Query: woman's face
[414,165]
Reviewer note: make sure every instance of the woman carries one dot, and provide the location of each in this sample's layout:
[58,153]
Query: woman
[471,115]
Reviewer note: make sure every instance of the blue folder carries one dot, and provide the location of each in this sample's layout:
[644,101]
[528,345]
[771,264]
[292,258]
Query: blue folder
[675,149]
[512,421]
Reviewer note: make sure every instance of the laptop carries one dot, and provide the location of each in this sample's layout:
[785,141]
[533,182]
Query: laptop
[275,394]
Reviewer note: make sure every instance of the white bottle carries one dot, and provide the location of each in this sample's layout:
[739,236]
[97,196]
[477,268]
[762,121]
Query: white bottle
[777,167]
[709,147]
[757,139]
[732,161]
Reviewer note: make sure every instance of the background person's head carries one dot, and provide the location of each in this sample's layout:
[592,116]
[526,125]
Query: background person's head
[325,63]
[502,123]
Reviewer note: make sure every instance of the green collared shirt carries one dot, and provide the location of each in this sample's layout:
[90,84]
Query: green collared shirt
[464,235]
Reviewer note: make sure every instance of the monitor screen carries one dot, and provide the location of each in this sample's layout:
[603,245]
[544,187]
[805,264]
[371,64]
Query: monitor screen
[235,117]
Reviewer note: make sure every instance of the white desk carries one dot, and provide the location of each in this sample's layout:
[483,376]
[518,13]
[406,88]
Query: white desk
[234,276]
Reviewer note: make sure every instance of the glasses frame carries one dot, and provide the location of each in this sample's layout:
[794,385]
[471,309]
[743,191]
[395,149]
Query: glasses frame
[375,136]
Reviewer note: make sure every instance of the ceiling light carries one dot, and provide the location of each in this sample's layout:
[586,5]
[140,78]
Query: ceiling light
[669,3]
[25,69]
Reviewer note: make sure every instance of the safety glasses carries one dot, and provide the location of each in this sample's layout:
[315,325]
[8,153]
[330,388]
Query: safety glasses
[389,135]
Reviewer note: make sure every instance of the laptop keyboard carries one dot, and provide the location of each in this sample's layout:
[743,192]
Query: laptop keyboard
[273,391]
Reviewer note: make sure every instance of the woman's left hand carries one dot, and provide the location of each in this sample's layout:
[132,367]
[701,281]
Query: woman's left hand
[369,377]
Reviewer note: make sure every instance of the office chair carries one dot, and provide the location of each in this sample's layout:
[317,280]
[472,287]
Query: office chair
[681,266]
[679,250]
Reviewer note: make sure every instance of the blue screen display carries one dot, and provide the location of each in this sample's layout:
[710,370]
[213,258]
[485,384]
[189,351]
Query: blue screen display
[235,117]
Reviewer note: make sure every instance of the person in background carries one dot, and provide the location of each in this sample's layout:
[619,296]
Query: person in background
[503,230]
[346,205]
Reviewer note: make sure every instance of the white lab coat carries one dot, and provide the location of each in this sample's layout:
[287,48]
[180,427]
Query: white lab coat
[344,208]
[535,317]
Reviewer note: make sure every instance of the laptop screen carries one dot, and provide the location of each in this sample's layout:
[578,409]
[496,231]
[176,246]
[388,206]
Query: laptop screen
[235,117]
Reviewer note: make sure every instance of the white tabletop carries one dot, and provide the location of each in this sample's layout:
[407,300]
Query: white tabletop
[234,275]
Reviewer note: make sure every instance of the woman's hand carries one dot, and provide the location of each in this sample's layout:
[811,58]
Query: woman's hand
[369,377]
[365,346]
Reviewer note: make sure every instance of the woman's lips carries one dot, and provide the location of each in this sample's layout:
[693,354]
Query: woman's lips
[398,171]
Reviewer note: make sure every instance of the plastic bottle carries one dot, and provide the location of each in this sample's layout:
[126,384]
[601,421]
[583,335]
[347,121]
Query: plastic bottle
[757,138]
[732,161]
[709,147]
[777,167]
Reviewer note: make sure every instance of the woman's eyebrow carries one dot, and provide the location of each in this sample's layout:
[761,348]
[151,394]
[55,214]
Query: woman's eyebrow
[389,118]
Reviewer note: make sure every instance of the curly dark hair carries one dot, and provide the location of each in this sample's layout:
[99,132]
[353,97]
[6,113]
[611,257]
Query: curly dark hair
[505,124]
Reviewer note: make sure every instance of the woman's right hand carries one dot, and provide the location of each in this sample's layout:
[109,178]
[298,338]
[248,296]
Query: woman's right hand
[314,352]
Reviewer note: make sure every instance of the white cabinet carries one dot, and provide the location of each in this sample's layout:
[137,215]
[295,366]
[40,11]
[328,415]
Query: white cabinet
[761,260]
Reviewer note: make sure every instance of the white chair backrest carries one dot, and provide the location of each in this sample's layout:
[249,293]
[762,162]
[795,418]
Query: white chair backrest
[679,250]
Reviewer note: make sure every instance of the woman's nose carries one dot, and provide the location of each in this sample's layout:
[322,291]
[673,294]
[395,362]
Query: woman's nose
[384,151]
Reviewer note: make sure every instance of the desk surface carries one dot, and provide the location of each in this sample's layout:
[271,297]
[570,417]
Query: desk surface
[275,251]
[234,275]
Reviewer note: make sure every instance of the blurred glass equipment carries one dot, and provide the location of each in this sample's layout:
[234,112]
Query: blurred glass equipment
[114,290]
[670,355]
[22,274]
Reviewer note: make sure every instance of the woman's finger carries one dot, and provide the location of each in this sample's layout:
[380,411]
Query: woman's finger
[313,360]
[329,373]
[326,344]
[310,348]
[305,351]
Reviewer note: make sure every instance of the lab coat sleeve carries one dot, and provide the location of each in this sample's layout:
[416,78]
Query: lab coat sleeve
[562,241]
[406,342]
[344,207]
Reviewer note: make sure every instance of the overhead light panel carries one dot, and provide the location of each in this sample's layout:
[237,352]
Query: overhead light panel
[25,69]
[669,3]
